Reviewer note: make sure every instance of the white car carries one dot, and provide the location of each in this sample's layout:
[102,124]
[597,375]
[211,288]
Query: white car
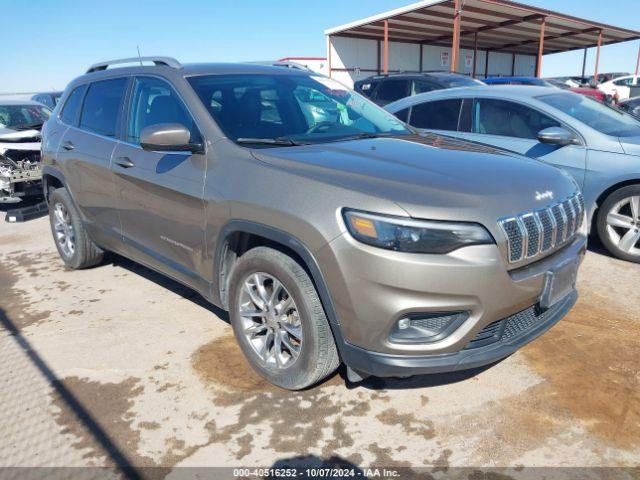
[620,88]
[20,169]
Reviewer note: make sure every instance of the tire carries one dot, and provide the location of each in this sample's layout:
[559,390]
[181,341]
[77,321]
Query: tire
[611,233]
[316,356]
[84,252]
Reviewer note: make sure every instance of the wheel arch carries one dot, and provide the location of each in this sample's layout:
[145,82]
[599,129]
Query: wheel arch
[51,178]
[605,194]
[239,236]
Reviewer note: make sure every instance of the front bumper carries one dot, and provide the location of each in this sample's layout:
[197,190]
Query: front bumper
[384,365]
[372,288]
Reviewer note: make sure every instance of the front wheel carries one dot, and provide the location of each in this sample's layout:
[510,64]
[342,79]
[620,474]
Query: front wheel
[75,247]
[278,320]
[619,223]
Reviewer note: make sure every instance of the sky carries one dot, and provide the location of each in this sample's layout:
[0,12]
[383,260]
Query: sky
[47,43]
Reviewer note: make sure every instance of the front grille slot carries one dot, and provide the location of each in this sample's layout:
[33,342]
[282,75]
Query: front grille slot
[510,327]
[533,233]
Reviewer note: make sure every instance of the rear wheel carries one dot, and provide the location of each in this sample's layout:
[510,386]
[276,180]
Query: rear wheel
[75,247]
[619,223]
[279,321]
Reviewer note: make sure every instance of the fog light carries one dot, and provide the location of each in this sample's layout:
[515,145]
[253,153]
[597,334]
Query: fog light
[426,327]
[404,323]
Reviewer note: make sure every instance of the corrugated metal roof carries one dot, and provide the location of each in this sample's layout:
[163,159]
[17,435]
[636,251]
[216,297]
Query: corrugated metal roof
[499,24]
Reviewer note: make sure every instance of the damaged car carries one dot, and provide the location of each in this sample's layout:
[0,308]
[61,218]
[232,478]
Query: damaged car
[20,169]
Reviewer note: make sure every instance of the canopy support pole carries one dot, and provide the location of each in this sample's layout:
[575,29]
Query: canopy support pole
[385,48]
[595,75]
[584,63]
[475,55]
[543,23]
[455,47]
[638,62]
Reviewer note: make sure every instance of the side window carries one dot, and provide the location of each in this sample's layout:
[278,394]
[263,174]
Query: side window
[438,115]
[367,88]
[71,108]
[403,115]
[392,90]
[102,106]
[422,86]
[624,82]
[154,101]
[509,119]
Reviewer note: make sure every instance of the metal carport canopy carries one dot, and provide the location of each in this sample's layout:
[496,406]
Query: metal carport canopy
[491,25]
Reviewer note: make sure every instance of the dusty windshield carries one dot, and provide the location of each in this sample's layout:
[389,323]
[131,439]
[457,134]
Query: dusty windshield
[294,108]
[23,117]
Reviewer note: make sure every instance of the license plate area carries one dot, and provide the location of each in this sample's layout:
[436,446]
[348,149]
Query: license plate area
[559,283]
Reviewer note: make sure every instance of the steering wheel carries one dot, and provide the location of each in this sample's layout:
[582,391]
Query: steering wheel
[319,127]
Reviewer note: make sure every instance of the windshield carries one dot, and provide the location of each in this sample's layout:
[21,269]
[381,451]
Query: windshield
[297,108]
[594,114]
[22,117]
[450,81]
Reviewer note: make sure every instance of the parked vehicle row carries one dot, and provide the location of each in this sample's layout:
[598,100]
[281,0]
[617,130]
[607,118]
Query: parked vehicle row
[540,82]
[329,230]
[598,145]
[383,89]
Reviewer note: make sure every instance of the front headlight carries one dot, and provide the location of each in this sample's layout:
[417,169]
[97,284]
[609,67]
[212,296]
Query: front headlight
[416,236]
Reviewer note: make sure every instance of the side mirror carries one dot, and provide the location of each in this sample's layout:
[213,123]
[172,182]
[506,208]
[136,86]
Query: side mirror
[557,136]
[168,137]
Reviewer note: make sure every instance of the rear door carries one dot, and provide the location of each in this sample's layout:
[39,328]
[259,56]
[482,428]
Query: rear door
[514,126]
[85,154]
[160,193]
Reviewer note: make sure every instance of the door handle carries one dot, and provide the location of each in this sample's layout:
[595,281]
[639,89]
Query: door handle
[68,145]
[124,162]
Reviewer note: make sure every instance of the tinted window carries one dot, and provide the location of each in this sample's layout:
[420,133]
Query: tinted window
[392,90]
[594,114]
[367,88]
[69,114]
[509,119]
[440,115]
[102,106]
[403,115]
[423,86]
[153,102]
[302,108]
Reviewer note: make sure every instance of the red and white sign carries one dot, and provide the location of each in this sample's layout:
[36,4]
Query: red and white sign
[444,59]
[468,61]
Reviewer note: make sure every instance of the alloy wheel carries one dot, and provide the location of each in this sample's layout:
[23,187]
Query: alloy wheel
[63,230]
[270,320]
[623,225]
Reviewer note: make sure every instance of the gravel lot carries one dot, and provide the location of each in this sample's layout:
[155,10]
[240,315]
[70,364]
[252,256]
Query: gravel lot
[119,365]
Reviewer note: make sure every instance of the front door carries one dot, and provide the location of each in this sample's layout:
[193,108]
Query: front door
[161,193]
[514,126]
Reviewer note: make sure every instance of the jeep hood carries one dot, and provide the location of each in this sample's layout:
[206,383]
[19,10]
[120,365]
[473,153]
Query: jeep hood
[430,176]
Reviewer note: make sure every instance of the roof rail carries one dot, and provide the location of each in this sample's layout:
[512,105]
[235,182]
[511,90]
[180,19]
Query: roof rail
[164,61]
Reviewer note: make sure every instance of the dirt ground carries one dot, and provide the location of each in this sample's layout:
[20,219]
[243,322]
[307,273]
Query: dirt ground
[118,365]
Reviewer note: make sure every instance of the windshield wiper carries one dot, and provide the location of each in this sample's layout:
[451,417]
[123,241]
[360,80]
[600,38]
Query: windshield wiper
[286,142]
[364,135]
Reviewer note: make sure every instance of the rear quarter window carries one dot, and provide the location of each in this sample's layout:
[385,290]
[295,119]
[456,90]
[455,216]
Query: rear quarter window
[71,108]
